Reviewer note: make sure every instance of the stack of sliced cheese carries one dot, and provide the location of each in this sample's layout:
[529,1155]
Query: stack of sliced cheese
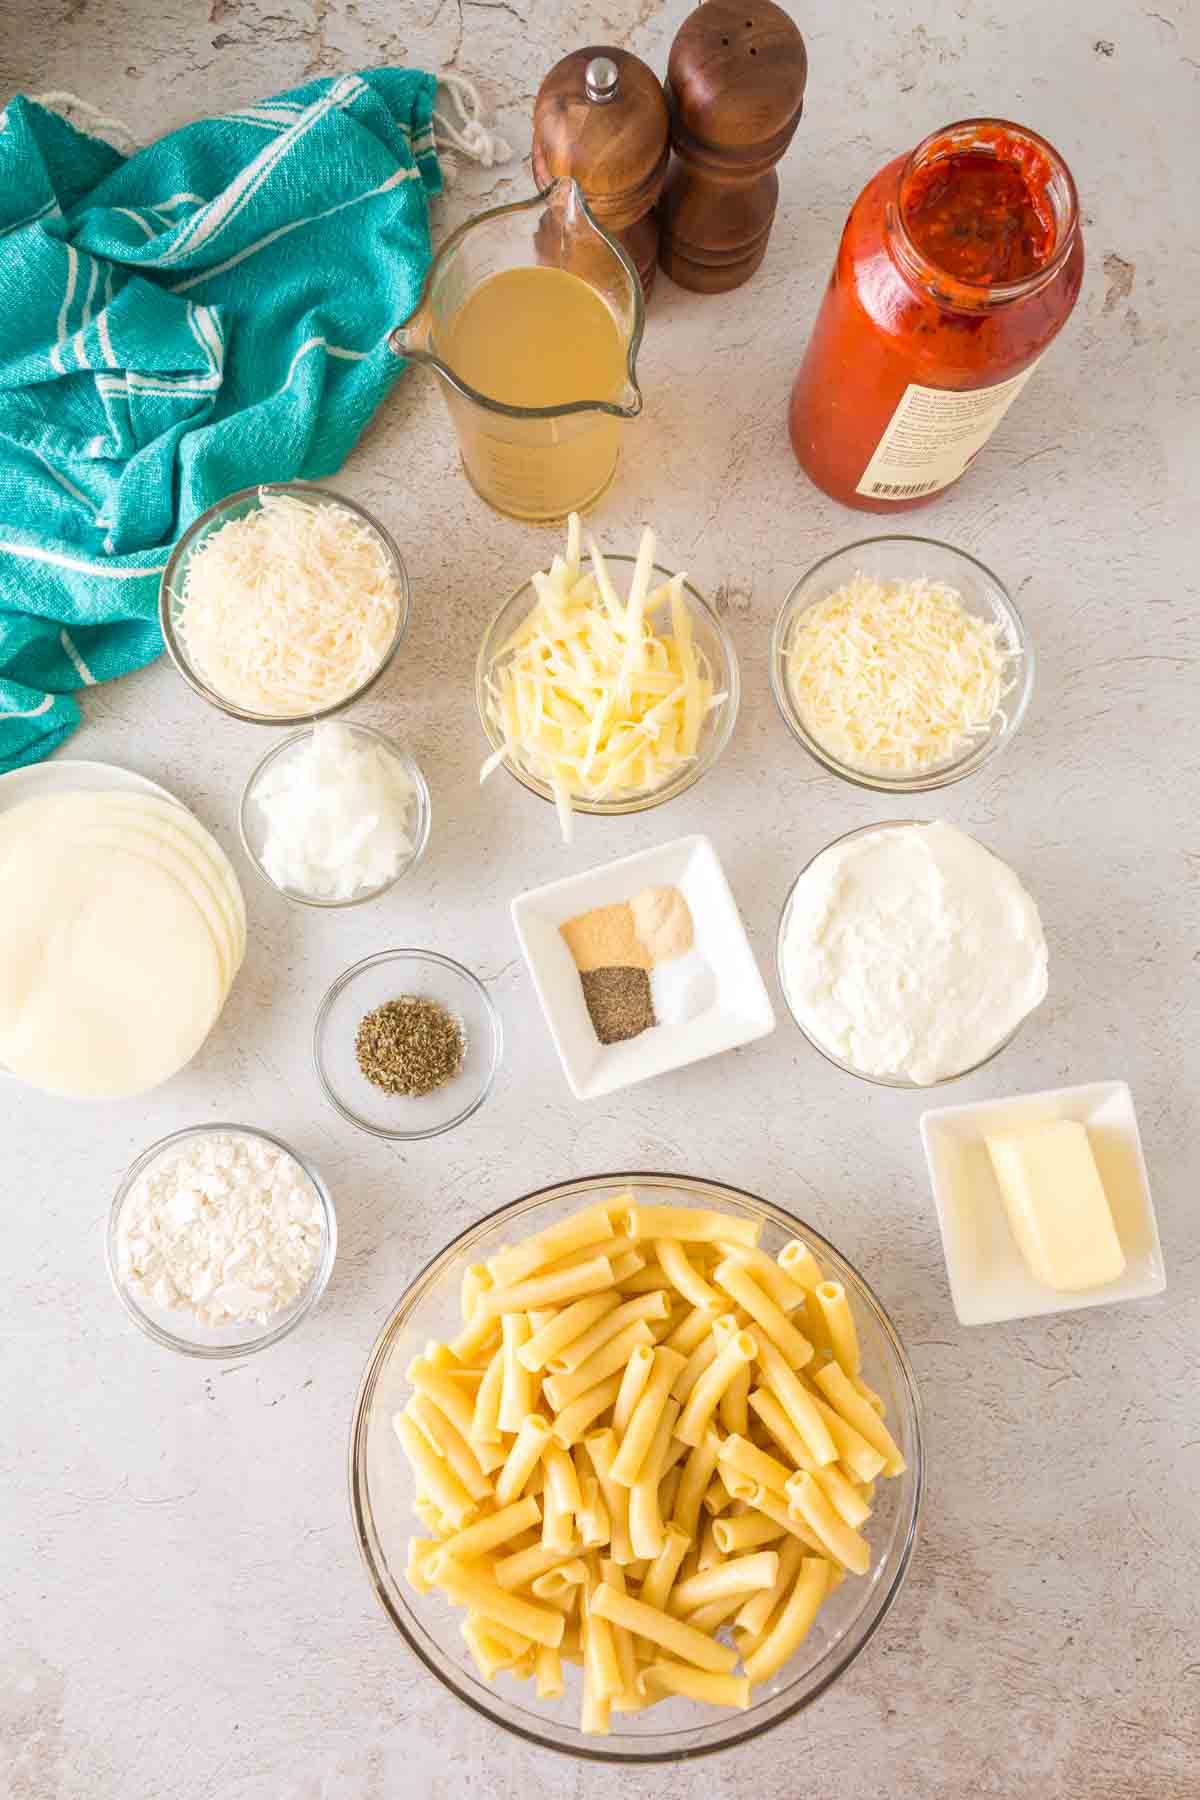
[123,928]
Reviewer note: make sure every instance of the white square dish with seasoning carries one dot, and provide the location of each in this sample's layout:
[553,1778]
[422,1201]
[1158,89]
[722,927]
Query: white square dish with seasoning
[740,1011]
[989,1280]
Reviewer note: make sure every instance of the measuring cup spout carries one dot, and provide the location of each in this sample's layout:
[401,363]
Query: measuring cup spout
[412,339]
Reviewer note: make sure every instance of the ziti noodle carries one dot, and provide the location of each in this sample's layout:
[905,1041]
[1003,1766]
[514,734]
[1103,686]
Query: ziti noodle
[583,1493]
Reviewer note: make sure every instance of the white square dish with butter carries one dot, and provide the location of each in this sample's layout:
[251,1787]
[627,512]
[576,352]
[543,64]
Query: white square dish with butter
[1043,1202]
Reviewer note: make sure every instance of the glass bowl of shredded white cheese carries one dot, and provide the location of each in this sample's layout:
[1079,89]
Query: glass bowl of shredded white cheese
[221,1239]
[901,664]
[282,604]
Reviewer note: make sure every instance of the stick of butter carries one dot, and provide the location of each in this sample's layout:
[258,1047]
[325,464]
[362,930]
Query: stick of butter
[1057,1206]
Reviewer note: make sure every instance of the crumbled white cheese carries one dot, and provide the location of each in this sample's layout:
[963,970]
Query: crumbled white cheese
[895,677]
[226,1227]
[336,810]
[291,608]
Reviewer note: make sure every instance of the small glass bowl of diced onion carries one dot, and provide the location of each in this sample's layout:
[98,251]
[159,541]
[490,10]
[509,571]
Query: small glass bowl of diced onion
[937,583]
[335,814]
[664,601]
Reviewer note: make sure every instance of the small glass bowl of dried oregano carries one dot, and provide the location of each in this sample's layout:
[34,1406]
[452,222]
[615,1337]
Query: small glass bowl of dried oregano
[407,1044]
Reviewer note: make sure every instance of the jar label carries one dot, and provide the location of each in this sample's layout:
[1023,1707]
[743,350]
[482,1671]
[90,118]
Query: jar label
[932,436]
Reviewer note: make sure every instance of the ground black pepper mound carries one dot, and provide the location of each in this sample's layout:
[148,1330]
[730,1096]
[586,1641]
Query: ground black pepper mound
[410,1046]
[619,1003]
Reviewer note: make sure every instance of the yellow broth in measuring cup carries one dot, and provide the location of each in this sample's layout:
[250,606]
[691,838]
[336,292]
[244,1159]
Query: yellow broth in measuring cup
[536,337]
[533,325]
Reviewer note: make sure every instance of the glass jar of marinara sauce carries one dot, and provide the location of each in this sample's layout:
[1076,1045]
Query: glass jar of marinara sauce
[958,267]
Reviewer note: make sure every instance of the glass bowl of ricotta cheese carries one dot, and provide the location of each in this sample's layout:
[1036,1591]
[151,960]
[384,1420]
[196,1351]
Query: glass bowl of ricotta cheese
[221,1239]
[909,954]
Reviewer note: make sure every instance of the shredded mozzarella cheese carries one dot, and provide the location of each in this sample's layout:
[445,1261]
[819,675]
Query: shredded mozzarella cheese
[588,698]
[290,609]
[895,677]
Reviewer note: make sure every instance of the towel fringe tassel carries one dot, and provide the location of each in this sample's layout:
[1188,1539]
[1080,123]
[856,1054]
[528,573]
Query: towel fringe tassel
[470,136]
[63,101]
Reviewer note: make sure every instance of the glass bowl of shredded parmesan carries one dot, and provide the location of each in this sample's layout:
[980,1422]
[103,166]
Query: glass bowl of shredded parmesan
[606,684]
[901,664]
[283,604]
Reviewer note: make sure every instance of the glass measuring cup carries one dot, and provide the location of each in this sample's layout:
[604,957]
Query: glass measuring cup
[531,462]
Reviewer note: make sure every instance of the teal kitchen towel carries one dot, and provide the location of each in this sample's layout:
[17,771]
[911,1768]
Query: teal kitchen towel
[205,314]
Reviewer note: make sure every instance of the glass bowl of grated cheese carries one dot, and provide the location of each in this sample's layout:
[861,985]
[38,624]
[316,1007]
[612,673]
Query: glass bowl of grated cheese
[539,751]
[901,664]
[283,604]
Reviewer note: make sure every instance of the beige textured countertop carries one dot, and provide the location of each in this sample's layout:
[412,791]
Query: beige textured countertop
[182,1610]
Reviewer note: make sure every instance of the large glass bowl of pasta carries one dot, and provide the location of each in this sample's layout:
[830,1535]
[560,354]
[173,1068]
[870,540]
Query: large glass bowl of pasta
[636,1466]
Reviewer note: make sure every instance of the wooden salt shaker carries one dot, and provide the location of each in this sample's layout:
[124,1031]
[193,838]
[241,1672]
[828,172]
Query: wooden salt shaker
[735,83]
[601,116]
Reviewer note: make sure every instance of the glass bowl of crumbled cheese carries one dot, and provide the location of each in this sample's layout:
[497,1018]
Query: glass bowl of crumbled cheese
[283,604]
[901,664]
[220,1241]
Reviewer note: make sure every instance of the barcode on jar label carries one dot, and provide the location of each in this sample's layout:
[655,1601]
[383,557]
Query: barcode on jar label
[903,490]
[932,436]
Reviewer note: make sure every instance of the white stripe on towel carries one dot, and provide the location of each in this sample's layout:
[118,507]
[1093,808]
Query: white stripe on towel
[81,667]
[332,350]
[50,207]
[294,225]
[204,329]
[77,342]
[31,712]
[30,553]
[64,310]
[102,323]
[63,480]
[151,231]
[214,218]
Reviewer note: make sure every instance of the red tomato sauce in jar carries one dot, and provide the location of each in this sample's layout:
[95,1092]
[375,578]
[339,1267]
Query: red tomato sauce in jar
[958,266]
[981,217]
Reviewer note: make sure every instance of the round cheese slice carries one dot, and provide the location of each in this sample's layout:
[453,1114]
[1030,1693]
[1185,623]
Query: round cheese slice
[82,818]
[157,851]
[176,819]
[110,979]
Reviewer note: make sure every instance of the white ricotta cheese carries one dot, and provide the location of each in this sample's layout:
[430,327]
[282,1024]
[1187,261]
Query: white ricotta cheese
[912,952]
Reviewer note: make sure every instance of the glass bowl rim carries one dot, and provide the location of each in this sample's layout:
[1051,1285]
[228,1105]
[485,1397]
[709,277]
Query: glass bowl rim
[699,766]
[407,954]
[304,490]
[270,1334]
[424,803]
[942,775]
[886,1081]
[360,1509]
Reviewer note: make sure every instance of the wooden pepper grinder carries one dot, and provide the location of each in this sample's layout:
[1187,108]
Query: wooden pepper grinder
[601,116]
[735,83]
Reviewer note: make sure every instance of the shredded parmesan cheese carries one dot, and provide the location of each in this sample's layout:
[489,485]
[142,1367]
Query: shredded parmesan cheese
[290,609]
[895,677]
[587,697]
